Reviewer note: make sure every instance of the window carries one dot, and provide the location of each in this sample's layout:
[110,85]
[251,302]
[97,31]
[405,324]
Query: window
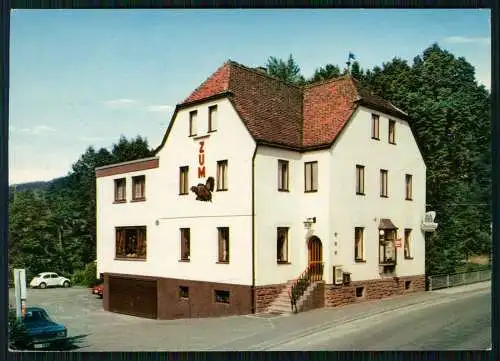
[185,244]
[212,118]
[192,123]
[409,181]
[222,175]
[183,180]
[311,176]
[383,183]
[120,193]
[53,275]
[282,245]
[358,243]
[387,246]
[407,245]
[183,292]
[375,126]
[139,188]
[223,244]
[131,242]
[407,285]
[221,296]
[360,179]
[392,132]
[282,175]
[360,292]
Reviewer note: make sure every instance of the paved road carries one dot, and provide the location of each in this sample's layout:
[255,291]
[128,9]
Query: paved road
[458,323]
[457,318]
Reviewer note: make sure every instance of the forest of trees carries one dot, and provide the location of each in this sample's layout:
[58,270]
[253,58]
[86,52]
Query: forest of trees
[52,227]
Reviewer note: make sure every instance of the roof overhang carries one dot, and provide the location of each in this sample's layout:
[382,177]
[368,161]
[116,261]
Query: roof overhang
[386,223]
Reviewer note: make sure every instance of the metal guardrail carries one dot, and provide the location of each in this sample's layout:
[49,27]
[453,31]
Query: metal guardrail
[458,279]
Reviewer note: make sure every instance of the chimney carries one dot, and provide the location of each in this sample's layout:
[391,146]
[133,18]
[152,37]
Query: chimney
[261,69]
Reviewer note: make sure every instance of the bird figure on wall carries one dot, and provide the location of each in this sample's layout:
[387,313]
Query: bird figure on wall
[204,191]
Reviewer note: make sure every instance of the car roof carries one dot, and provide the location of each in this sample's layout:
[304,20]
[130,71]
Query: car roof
[46,273]
[31,309]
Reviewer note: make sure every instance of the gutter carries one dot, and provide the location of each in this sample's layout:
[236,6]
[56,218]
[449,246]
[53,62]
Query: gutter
[254,301]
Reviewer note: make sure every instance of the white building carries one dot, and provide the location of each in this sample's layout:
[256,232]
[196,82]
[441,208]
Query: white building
[326,177]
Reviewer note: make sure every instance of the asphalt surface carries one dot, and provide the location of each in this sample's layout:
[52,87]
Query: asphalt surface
[453,319]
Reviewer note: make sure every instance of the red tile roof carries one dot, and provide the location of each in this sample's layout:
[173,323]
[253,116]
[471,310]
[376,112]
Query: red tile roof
[279,113]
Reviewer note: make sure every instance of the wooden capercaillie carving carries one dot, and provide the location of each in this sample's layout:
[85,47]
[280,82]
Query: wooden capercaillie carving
[204,191]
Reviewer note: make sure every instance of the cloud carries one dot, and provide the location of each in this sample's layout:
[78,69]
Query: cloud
[467,40]
[38,129]
[119,103]
[161,108]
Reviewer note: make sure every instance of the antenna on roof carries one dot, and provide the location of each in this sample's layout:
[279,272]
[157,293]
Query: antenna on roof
[348,62]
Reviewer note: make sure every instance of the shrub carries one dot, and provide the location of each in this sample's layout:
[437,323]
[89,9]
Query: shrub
[87,276]
[18,334]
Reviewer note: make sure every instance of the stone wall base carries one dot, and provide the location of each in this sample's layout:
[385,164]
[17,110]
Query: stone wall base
[359,291]
[316,299]
[265,295]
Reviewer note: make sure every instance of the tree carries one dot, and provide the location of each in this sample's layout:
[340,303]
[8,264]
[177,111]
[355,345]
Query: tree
[287,70]
[329,71]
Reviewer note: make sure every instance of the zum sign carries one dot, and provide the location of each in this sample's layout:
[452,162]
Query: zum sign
[201,161]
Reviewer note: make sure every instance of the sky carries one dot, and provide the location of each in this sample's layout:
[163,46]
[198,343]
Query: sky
[85,77]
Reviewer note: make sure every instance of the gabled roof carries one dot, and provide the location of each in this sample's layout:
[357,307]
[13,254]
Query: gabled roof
[283,114]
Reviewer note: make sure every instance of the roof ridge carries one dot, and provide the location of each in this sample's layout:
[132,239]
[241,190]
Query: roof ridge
[253,70]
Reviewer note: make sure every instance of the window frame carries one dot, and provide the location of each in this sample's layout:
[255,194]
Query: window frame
[361,231]
[386,242]
[221,298]
[391,133]
[221,232]
[140,243]
[141,179]
[184,176]
[185,246]
[360,179]
[408,242]
[384,183]
[408,187]
[116,185]
[193,117]
[183,292]
[375,126]
[222,166]
[283,175]
[211,110]
[313,181]
[286,246]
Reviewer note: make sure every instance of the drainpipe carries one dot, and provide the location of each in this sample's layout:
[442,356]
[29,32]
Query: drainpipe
[254,301]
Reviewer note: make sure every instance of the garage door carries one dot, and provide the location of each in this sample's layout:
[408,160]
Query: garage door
[135,297]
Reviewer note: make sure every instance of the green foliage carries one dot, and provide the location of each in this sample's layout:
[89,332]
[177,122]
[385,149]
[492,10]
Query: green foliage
[87,276]
[18,334]
[329,71]
[53,228]
[287,70]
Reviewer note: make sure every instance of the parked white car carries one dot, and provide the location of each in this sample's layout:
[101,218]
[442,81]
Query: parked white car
[49,279]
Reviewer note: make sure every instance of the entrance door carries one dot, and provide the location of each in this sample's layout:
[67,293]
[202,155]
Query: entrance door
[315,258]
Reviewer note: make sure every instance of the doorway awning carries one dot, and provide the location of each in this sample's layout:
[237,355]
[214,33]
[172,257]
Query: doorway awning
[386,223]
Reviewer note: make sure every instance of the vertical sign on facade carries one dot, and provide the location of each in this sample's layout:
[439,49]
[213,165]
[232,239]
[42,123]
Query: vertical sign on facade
[201,161]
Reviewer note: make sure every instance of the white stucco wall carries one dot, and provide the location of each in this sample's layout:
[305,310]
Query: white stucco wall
[287,209]
[232,142]
[355,146]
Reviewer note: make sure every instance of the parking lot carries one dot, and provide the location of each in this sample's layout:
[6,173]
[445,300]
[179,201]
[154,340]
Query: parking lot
[94,329]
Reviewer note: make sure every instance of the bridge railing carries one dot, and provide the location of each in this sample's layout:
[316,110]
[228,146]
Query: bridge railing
[458,279]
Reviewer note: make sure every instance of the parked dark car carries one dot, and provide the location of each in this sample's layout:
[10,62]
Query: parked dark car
[42,330]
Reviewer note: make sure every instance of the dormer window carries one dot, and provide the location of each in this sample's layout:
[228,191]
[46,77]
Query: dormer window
[192,123]
[212,118]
